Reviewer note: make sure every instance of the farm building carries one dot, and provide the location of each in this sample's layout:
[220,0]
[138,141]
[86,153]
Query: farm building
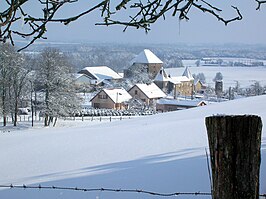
[149,61]
[111,99]
[148,93]
[165,105]
[100,73]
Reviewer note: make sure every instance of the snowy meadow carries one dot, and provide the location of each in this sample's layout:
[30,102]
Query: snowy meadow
[161,153]
[246,76]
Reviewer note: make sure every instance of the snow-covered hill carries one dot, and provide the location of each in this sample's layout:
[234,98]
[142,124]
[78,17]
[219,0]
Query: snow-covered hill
[162,153]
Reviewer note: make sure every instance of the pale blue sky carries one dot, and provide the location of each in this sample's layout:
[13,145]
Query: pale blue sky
[201,28]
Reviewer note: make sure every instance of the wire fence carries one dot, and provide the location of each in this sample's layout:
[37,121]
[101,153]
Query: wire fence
[27,118]
[40,187]
[104,190]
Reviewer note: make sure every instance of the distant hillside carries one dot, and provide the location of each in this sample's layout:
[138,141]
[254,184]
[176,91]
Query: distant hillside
[118,56]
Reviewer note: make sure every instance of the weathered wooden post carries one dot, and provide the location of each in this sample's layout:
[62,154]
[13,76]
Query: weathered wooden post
[235,143]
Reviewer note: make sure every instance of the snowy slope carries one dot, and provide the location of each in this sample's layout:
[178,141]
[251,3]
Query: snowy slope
[162,153]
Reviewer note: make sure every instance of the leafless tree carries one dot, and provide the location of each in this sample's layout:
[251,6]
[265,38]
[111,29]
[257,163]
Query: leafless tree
[144,13]
[54,77]
[13,78]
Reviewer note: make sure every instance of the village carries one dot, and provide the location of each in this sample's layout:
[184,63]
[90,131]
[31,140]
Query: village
[152,89]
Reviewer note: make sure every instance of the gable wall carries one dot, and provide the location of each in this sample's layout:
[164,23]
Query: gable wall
[154,69]
[184,88]
[102,102]
[140,95]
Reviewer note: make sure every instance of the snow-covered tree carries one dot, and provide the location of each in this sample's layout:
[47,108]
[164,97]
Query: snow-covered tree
[5,67]
[218,77]
[200,76]
[197,62]
[56,82]
[256,89]
[13,77]
[138,73]
[18,80]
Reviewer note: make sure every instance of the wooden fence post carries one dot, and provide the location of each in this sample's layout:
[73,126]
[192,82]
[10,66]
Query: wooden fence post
[235,143]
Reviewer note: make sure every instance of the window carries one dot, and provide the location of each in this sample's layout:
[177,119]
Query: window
[136,92]
[96,105]
[102,96]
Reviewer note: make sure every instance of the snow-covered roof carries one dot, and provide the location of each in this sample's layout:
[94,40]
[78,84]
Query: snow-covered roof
[185,103]
[77,76]
[118,95]
[101,72]
[151,90]
[161,76]
[146,57]
[179,79]
[188,74]
[196,81]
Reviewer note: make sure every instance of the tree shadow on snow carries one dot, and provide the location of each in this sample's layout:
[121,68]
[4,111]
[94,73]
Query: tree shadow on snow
[180,171]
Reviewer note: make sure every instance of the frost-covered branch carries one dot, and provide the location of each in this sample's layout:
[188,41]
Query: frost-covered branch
[144,13]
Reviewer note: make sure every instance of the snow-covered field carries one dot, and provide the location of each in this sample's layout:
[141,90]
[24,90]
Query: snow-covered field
[246,76]
[161,153]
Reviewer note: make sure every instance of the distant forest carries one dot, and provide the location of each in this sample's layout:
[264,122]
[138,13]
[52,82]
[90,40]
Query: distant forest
[119,56]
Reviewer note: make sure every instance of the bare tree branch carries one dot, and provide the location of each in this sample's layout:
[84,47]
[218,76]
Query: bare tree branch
[146,13]
[259,4]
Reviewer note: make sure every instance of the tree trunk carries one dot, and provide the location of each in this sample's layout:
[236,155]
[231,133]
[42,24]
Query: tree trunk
[4,106]
[46,120]
[16,112]
[235,143]
[4,120]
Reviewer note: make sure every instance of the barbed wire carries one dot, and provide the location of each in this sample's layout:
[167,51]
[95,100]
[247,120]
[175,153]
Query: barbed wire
[11,186]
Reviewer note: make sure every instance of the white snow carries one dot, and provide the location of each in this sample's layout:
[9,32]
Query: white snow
[102,72]
[179,79]
[162,153]
[161,76]
[188,74]
[244,75]
[180,102]
[118,95]
[151,90]
[146,57]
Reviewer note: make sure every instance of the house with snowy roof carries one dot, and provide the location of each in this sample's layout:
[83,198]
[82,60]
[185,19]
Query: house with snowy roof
[148,60]
[162,80]
[99,74]
[165,104]
[180,85]
[199,87]
[111,99]
[85,79]
[147,93]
